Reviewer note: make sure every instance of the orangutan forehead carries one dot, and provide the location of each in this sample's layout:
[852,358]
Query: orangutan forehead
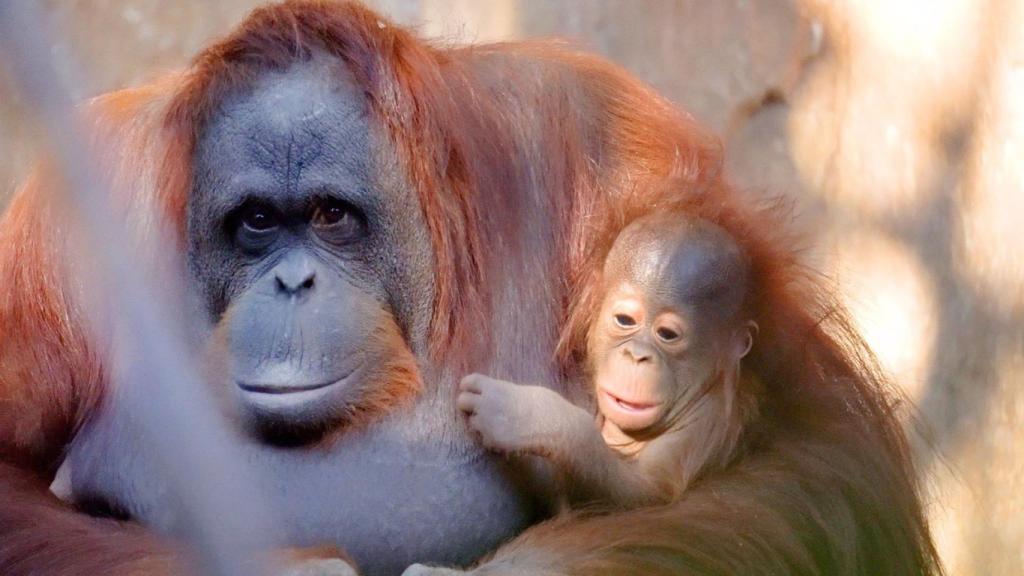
[298,108]
[298,129]
[679,260]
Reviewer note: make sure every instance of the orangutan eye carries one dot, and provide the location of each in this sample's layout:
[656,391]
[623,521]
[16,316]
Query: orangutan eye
[337,220]
[667,334]
[258,219]
[625,320]
[331,213]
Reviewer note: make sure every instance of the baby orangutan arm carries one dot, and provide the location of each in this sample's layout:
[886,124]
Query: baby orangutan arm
[518,419]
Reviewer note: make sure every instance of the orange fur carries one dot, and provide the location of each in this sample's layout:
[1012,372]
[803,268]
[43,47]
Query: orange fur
[394,382]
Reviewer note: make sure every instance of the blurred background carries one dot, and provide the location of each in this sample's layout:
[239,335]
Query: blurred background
[898,126]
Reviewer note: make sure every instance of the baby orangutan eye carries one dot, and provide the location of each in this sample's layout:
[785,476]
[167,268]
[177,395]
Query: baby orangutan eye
[667,334]
[625,320]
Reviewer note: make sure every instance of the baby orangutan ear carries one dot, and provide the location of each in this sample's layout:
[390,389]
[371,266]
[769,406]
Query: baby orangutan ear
[746,338]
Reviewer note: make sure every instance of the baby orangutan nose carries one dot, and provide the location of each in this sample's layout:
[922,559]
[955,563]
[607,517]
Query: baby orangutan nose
[637,352]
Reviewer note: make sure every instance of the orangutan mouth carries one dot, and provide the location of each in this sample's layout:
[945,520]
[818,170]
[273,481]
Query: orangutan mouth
[638,407]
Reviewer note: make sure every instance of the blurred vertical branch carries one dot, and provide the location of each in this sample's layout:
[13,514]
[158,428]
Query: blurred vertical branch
[219,513]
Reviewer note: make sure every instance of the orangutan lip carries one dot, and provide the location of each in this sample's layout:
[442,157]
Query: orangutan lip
[630,406]
[285,388]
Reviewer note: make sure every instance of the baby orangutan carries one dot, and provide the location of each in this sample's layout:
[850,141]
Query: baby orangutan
[664,357]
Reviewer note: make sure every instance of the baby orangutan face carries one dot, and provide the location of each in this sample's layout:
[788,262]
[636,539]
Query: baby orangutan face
[670,326]
[641,359]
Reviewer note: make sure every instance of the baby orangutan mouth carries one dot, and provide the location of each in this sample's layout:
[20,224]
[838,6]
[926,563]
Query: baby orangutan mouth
[635,407]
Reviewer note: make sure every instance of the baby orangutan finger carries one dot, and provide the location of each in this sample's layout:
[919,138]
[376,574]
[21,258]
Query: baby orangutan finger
[466,402]
[421,570]
[474,425]
[471,383]
[491,385]
[321,567]
[315,561]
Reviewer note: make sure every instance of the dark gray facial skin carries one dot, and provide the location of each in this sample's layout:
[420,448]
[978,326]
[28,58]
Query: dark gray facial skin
[293,245]
[293,304]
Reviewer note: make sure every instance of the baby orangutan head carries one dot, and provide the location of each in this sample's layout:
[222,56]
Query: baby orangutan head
[673,323]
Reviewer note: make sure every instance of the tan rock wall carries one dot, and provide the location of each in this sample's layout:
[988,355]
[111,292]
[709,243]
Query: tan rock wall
[899,126]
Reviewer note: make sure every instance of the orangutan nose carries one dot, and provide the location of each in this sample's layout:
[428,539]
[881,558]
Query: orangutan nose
[637,352]
[295,275]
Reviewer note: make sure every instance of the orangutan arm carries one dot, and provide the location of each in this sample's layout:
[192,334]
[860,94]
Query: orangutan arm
[798,508]
[513,418]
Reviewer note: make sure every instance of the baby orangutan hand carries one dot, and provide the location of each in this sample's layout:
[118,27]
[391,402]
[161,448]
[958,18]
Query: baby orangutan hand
[424,570]
[524,419]
[315,561]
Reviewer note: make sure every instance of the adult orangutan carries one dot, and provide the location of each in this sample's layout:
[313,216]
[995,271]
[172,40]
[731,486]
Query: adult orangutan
[363,219]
